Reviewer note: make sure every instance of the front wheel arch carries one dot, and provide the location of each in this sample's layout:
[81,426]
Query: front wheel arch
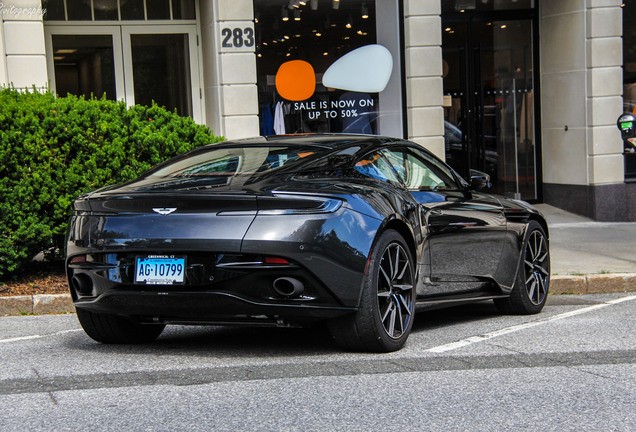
[530,290]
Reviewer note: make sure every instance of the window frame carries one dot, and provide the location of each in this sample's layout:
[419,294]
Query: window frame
[425,159]
[81,30]
[419,153]
[195,83]
[380,153]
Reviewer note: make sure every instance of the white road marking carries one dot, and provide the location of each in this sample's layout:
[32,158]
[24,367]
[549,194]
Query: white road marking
[23,338]
[591,225]
[475,339]
[438,349]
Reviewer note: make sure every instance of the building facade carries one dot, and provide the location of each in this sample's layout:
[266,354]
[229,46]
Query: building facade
[528,91]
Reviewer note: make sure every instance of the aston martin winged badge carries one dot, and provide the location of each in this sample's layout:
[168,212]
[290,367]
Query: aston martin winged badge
[164,210]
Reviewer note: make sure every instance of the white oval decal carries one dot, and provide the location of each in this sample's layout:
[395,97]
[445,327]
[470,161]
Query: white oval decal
[366,69]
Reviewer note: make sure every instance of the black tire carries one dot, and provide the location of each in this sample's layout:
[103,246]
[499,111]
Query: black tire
[530,291]
[387,304]
[113,329]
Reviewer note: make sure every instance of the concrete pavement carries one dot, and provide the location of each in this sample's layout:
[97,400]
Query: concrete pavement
[590,257]
[586,257]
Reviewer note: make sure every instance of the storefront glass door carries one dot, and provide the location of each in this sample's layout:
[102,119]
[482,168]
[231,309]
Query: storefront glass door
[158,67]
[489,94]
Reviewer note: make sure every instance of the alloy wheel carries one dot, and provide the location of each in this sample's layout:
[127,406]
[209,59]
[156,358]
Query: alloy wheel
[395,290]
[537,265]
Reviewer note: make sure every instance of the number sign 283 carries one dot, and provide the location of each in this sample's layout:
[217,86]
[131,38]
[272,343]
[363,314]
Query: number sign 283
[237,37]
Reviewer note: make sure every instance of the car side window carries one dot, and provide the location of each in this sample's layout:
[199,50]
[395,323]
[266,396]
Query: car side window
[420,171]
[375,165]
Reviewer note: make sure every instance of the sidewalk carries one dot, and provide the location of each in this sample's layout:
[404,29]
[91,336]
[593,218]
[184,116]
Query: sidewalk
[586,257]
[590,257]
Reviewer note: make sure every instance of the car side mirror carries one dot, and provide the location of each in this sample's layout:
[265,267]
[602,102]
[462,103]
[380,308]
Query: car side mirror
[479,180]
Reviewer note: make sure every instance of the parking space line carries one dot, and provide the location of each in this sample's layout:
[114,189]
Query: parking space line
[23,338]
[481,338]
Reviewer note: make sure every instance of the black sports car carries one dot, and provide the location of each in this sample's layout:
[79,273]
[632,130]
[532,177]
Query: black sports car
[354,230]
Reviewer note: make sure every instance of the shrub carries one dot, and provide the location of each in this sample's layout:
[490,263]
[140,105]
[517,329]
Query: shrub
[54,148]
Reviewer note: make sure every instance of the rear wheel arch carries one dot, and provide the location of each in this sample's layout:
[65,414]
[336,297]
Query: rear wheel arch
[402,228]
[387,304]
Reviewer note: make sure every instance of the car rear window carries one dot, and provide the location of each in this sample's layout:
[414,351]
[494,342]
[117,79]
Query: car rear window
[235,161]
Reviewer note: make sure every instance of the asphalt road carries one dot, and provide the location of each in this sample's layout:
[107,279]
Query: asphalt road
[571,368]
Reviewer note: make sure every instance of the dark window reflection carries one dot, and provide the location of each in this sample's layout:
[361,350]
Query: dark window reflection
[489,100]
[84,65]
[629,74]
[79,10]
[629,56]
[132,10]
[54,10]
[114,10]
[466,6]
[158,9]
[183,9]
[105,10]
[161,71]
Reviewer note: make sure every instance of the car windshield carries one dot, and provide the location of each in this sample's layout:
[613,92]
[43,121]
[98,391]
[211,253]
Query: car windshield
[235,161]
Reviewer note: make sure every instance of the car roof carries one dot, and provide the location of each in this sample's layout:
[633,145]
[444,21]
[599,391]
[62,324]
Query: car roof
[332,140]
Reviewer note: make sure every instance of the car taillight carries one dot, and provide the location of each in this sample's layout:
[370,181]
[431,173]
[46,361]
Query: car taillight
[288,204]
[78,259]
[275,260]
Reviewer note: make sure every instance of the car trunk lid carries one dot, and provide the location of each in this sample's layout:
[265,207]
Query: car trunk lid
[169,222]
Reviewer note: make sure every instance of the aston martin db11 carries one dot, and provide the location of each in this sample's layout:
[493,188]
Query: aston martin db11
[356,231]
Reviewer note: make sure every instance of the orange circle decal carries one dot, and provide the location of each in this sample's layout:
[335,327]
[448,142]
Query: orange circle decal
[296,80]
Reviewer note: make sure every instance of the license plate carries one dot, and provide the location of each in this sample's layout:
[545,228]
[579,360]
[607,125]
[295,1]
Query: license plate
[160,270]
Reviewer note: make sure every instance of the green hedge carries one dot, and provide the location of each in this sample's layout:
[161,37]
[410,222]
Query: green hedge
[54,148]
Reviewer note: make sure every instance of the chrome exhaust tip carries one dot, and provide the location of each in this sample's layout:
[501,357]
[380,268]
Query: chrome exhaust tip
[288,287]
[82,284]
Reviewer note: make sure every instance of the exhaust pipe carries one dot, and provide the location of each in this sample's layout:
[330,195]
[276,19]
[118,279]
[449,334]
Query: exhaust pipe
[288,287]
[82,284]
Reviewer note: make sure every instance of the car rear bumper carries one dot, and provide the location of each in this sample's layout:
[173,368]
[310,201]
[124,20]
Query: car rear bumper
[218,288]
[208,307]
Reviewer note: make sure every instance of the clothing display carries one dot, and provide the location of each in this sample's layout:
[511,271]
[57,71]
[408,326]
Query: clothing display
[267,120]
[279,119]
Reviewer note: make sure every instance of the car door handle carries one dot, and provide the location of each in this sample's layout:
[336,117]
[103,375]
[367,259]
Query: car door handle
[436,212]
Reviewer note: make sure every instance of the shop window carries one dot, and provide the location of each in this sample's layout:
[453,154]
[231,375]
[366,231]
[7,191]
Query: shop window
[629,77]
[629,56]
[84,66]
[161,71]
[160,10]
[132,10]
[463,6]
[328,66]
[139,64]
[138,51]
[114,10]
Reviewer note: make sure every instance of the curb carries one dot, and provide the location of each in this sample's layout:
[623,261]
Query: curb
[39,304]
[42,304]
[593,283]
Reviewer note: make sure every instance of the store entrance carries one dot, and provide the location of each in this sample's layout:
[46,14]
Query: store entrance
[489,100]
